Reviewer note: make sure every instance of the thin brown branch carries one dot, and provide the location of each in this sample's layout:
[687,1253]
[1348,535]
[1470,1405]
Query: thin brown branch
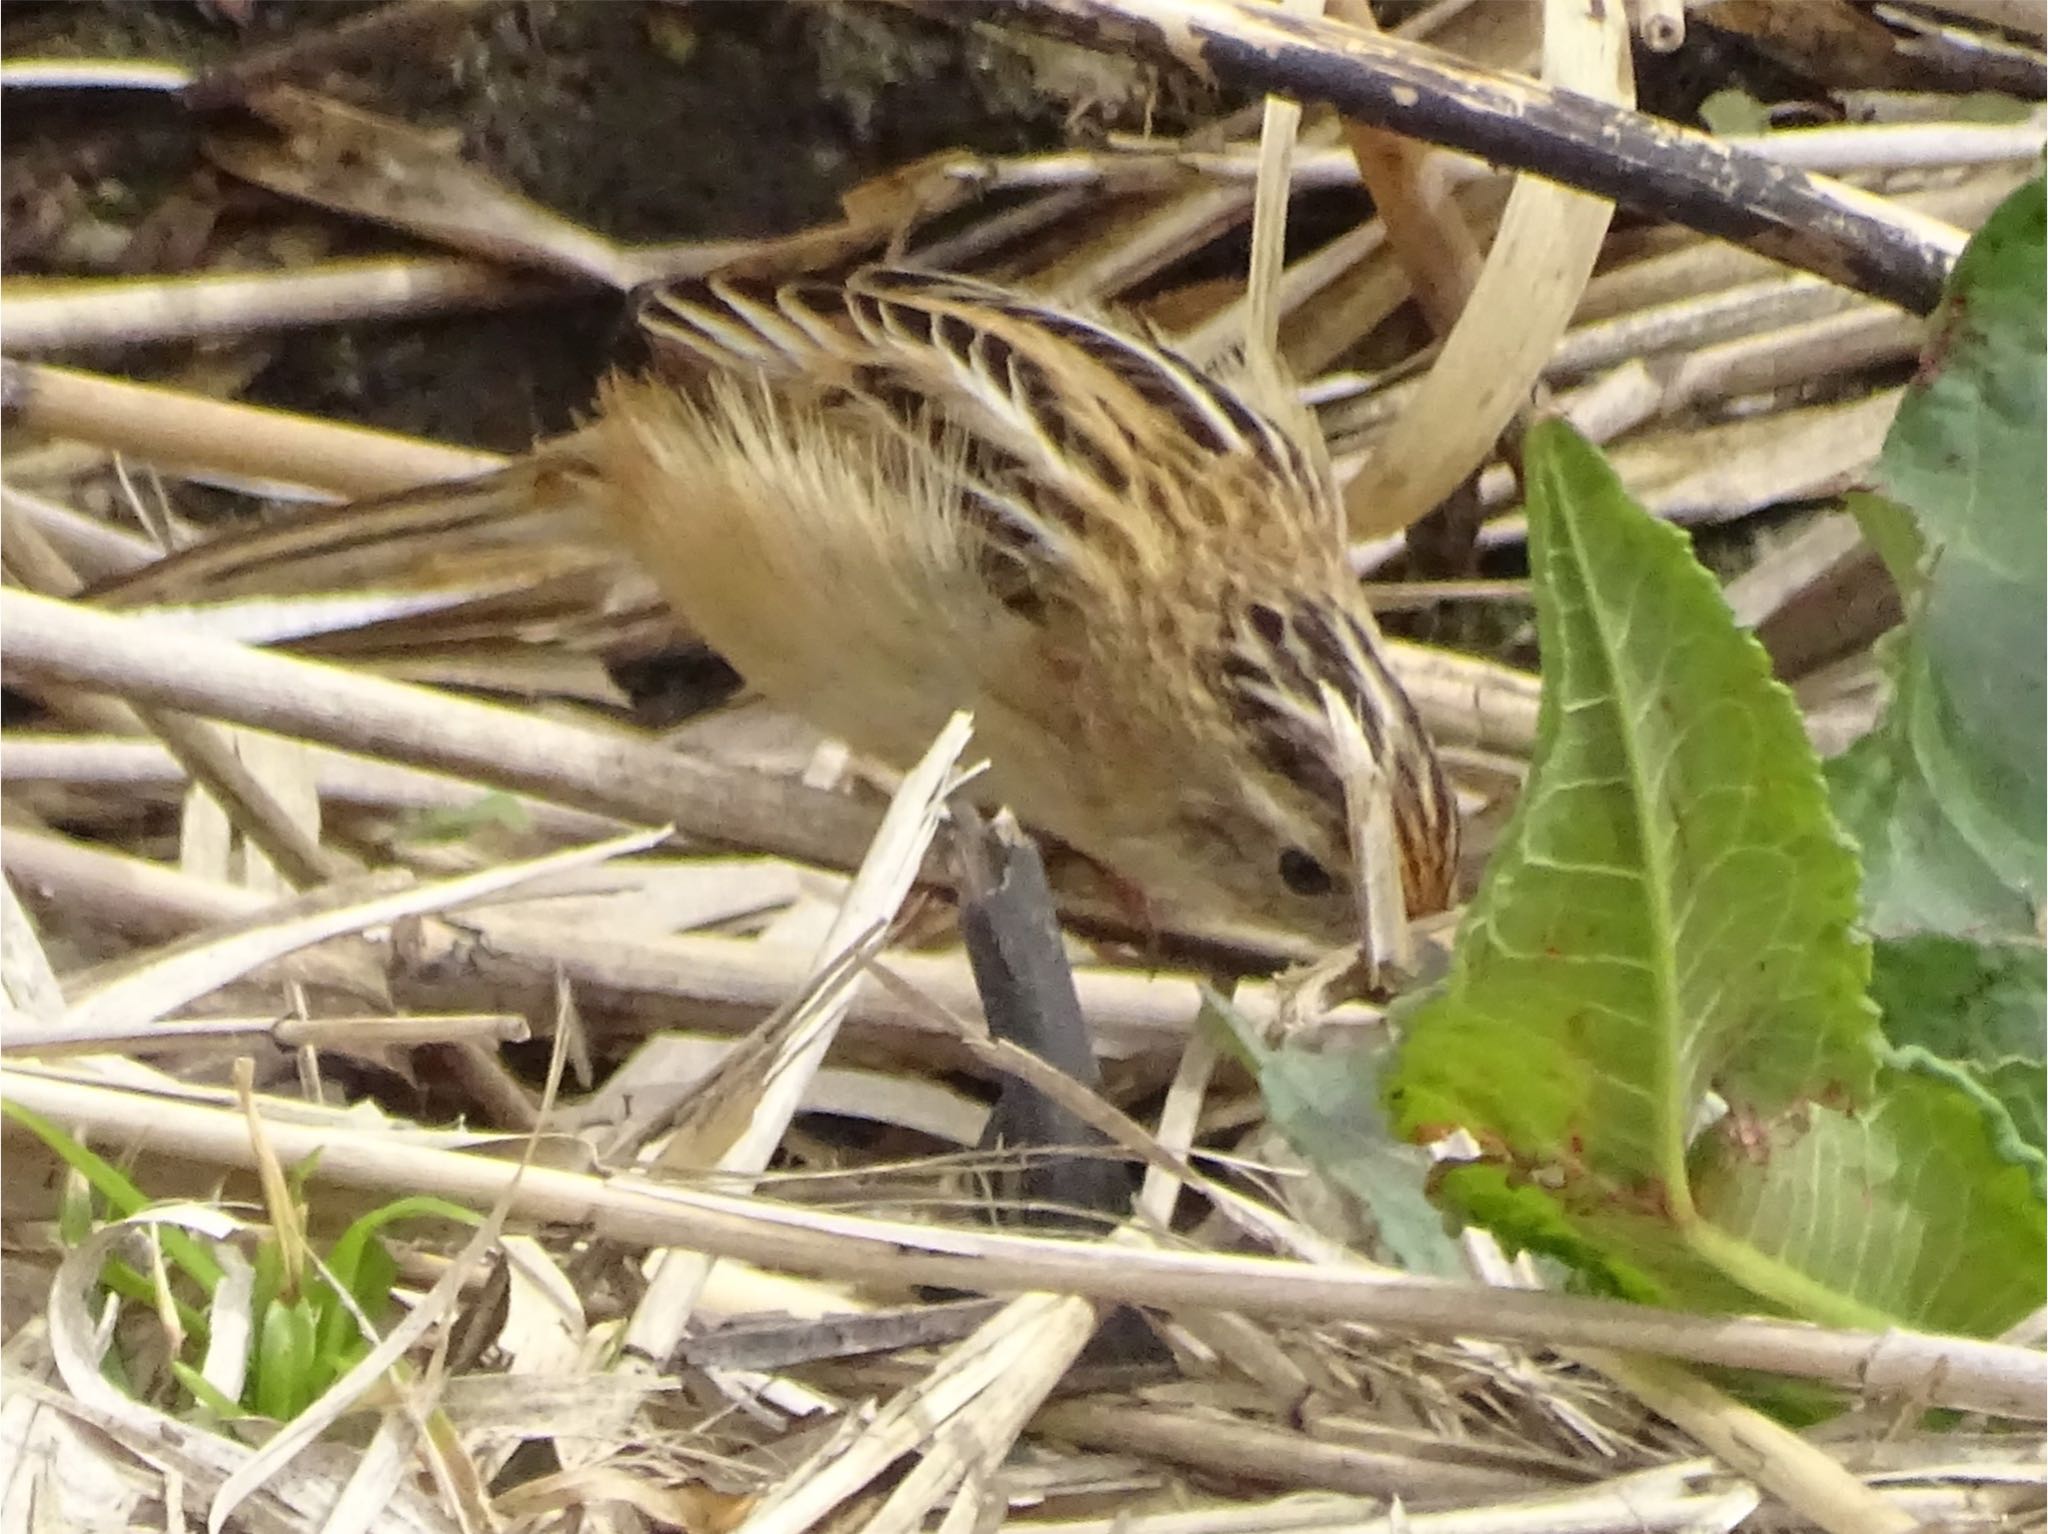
[1806,221]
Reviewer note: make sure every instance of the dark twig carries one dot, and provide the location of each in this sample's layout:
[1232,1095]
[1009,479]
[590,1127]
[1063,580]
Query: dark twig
[1669,172]
[777,1342]
[1027,993]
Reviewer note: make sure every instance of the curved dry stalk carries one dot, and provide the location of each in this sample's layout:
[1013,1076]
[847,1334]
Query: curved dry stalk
[1806,1478]
[1522,301]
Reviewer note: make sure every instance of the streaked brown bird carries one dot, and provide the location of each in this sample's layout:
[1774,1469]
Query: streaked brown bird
[905,493]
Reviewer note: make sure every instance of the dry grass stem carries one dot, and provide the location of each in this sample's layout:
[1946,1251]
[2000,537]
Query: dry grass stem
[1896,146]
[353,161]
[150,986]
[26,977]
[54,314]
[339,777]
[587,768]
[739,1115]
[168,428]
[647,985]
[1948,1371]
[1276,1456]
[357,1034]
[88,545]
[1807,1479]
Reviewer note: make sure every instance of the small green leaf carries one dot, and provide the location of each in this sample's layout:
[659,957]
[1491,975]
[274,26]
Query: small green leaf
[1891,530]
[284,1360]
[1327,1104]
[360,1262]
[119,1191]
[1949,796]
[1734,112]
[200,1390]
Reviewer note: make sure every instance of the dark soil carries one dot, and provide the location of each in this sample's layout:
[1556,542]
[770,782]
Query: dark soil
[648,121]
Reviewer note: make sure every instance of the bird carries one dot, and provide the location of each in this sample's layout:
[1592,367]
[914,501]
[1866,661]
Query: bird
[894,494]
[906,492]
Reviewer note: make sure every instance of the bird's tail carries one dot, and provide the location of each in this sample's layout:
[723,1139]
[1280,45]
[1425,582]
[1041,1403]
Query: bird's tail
[520,553]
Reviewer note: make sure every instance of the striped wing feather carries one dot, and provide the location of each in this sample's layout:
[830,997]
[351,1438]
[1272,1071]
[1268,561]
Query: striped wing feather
[1059,424]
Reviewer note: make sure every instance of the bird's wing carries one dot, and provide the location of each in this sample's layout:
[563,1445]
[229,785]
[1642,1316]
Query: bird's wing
[1074,440]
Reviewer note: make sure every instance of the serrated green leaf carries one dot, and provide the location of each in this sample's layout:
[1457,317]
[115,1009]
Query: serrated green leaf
[1671,913]
[1949,797]
[2002,1123]
[1981,1011]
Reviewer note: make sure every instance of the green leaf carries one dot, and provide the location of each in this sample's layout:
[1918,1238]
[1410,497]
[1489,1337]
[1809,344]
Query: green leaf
[1891,530]
[205,1394]
[1949,797]
[1732,111]
[1981,1010]
[1326,1102]
[1914,1198]
[1978,1002]
[2020,1088]
[360,1263]
[282,1387]
[1670,915]
[120,1192]
[1666,940]
[1921,872]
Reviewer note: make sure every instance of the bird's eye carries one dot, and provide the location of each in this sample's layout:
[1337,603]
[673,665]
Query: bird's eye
[1304,875]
